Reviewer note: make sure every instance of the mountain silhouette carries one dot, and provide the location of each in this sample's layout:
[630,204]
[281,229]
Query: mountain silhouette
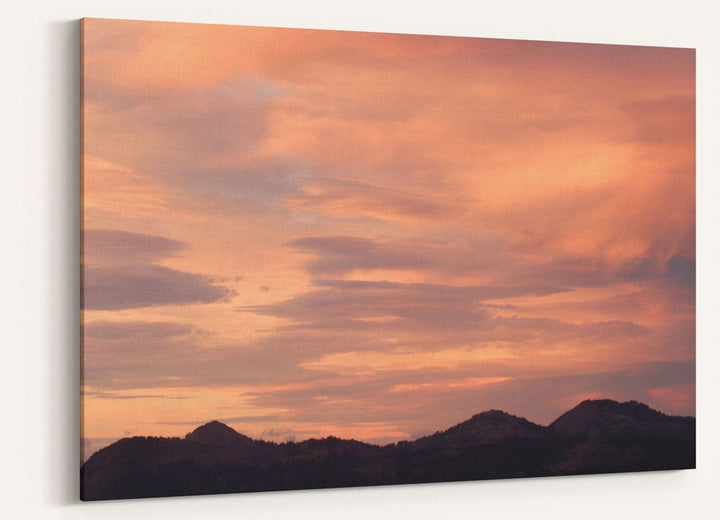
[598,436]
[216,433]
[605,417]
[487,427]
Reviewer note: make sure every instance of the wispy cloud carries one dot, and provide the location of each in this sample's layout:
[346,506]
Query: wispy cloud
[120,273]
[144,285]
[110,246]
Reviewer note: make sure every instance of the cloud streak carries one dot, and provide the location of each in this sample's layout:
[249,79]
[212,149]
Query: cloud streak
[113,246]
[131,287]
[119,273]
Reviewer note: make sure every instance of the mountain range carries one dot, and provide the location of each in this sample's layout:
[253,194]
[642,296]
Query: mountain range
[597,436]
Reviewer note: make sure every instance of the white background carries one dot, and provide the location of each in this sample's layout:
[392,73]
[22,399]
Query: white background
[39,261]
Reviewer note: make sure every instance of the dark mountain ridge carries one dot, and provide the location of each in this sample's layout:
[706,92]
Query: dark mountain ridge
[607,417]
[483,428]
[216,433]
[597,436]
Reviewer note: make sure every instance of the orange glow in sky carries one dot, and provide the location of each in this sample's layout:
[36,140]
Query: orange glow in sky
[305,233]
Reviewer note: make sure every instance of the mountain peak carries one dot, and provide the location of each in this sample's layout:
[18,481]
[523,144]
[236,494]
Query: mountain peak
[612,404]
[216,433]
[215,424]
[489,427]
[608,417]
[493,414]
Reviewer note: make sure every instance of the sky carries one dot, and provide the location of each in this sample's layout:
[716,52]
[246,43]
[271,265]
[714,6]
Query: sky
[305,233]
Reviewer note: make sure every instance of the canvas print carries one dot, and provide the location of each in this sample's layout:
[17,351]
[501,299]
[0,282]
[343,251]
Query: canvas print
[320,259]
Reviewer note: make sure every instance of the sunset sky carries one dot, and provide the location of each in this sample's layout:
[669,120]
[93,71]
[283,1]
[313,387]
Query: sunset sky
[305,233]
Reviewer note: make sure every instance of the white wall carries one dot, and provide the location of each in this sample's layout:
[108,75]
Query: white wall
[39,208]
